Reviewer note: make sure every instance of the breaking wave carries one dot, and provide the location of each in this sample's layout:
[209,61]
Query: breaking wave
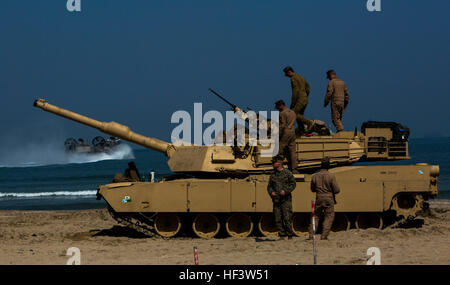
[49,194]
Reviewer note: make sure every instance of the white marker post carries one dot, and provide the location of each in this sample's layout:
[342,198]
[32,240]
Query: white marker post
[314,232]
[195,255]
[152,176]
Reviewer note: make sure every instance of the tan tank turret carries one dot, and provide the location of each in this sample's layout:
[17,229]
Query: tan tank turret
[343,148]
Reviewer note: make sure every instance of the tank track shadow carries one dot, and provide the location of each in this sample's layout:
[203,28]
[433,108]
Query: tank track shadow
[121,231]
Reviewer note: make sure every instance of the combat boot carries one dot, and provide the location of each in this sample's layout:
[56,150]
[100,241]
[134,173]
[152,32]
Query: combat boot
[309,128]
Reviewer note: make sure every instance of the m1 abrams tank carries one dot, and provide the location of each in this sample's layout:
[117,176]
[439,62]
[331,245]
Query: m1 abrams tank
[217,187]
[99,145]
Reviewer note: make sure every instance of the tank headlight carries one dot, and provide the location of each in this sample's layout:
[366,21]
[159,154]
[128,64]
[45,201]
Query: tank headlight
[434,171]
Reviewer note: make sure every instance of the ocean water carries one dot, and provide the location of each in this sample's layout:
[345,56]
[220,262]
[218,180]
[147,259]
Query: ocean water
[65,184]
[70,183]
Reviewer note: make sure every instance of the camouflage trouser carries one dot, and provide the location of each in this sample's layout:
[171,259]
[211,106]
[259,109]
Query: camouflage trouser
[282,212]
[299,110]
[288,150]
[337,112]
[324,212]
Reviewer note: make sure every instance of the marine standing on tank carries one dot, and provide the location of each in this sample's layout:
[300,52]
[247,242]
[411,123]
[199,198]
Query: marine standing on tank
[287,145]
[325,185]
[300,93]
[337,92]
[280,186]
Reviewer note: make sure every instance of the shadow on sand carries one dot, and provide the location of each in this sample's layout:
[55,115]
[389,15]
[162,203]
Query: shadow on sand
[119,231]
[264,239]
[409,224]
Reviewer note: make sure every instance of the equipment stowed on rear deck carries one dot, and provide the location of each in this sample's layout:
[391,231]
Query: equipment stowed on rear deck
[376,141]
[387,140]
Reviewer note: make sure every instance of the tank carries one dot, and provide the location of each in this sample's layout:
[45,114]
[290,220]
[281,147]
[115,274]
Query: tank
[223,189]
[98,145]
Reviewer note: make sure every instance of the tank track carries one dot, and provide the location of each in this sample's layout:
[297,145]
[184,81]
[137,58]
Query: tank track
[135,221]
[404,208]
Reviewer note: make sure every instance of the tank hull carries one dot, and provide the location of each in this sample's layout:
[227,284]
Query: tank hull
[364,189]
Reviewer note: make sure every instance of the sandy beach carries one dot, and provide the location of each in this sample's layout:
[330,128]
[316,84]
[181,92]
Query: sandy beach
[43,237]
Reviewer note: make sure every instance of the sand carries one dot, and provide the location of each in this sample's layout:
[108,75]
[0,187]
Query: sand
[43,237]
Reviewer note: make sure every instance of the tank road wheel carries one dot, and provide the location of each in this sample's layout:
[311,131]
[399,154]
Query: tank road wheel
[266,225]
[239,225]
[206,225]
[167,224]
[369,220]
[340,223]
[300,224]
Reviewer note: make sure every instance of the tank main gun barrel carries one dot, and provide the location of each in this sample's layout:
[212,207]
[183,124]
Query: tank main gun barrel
[111,128]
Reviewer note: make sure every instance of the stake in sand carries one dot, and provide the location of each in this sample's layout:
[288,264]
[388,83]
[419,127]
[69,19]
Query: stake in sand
[314,232]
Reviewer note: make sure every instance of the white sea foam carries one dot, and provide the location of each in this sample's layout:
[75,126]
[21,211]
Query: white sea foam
[49,194]
[51,154]
[122,151]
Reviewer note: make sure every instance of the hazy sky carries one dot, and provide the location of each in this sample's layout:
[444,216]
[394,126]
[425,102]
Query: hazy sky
[136,62]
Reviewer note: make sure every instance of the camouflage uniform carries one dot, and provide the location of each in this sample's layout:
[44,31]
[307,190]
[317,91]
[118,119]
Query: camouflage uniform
[300,92]
[282,205]
[324,184]
[287,138]
[337,92]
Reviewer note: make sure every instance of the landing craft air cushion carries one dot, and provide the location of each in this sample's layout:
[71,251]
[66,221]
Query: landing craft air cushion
[225,187]
[99,145]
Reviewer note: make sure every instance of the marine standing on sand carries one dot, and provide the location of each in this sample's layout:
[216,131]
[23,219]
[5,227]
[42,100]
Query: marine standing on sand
[300,92]
[280,186]
[287,146]
[337,92]
[325,185]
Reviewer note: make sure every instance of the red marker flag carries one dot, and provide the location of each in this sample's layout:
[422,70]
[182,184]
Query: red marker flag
[314,231]
[195,255]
